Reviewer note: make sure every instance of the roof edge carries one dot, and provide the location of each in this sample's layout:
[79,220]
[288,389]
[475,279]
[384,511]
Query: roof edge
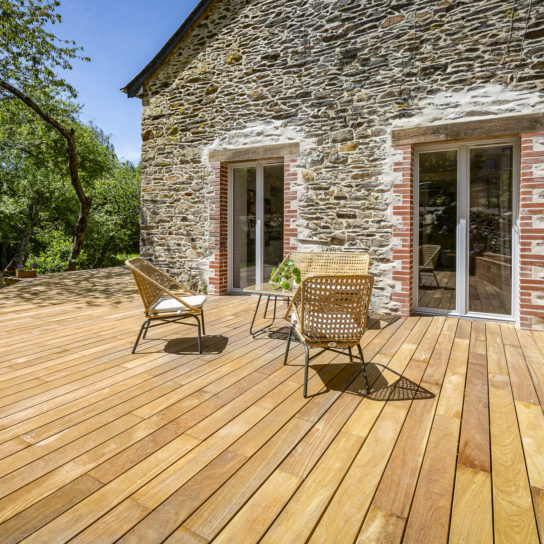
[134,87]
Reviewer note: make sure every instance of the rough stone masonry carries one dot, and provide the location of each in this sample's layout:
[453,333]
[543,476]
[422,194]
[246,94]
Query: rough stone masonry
[336,76]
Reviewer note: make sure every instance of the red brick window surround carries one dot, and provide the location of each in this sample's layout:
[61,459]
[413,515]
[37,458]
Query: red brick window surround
[219,229]
[219,221]
[289,204]
[531,240]
[403,230]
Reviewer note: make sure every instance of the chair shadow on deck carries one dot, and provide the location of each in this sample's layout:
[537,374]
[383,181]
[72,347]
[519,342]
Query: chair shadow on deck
[282,334]
[210,344]
[400,389]
[380,389]
[381,321]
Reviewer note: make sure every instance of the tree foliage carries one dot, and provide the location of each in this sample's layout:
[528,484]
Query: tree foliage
[30,55]
[30,59]
[35,195]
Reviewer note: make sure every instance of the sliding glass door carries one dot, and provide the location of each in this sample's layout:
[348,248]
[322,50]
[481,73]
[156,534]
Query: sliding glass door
[490,230]
[438,229]
[244,227]
[255,223]
[466,222]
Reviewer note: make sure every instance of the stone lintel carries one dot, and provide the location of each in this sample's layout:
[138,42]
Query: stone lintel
[480,128]
[257,152]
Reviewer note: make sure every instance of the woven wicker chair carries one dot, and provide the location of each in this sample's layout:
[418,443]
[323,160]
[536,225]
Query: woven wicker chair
[165,300]
[314,263]
[330,312]
[428,259]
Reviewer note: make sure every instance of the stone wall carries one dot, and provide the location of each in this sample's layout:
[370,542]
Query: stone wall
[336,76]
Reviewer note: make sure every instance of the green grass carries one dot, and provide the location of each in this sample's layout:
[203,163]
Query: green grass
[122,257]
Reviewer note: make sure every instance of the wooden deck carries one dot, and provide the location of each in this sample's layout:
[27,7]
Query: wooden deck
[484,297]
[166,445]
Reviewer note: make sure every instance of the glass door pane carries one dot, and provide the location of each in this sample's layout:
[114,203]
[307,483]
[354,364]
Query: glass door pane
[437,230]
[490,231]
[244,226]
[273,218]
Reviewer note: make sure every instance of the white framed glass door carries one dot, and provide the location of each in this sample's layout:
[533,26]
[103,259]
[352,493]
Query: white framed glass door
[255,222]
[466,249]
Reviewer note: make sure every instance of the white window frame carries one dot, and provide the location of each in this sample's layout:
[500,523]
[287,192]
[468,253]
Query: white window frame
[259,231]
[462,232]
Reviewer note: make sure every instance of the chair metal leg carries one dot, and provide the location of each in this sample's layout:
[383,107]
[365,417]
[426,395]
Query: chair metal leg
[306,364]
[350,354]
[144,336]
[367,387]
[144,326]
[203,327]
[287,346]
[199,335]
[436,279]
[255,315]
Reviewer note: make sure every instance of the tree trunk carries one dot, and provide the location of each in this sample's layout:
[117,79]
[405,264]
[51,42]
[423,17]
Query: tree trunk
[85,202]
[79,236]
[19,257]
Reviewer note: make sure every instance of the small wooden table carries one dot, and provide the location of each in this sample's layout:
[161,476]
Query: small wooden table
[267,290]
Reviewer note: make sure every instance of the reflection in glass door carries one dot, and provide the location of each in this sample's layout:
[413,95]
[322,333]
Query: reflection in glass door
[256,223]
[273,218]
[465,206]
[437,229]
[490,230]
[244,226]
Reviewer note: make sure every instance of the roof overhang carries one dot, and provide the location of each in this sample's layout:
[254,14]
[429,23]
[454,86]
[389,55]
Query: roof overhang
[135,87]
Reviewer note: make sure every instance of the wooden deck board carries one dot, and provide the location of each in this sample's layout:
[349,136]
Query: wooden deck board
[98,444]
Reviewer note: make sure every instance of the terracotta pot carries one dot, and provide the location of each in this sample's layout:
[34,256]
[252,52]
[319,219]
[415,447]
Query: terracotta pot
[26,273]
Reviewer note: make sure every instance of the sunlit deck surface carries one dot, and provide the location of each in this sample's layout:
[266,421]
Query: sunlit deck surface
[97,444]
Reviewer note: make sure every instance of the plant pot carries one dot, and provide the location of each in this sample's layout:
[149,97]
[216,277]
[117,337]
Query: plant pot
[26,273]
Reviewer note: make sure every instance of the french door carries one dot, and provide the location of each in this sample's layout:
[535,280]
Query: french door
[467,233]
[255,222]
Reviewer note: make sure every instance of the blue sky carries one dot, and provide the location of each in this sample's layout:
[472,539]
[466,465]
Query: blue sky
[121,37]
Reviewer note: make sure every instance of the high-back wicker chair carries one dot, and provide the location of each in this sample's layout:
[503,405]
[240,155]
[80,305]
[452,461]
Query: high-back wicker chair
[428,259]
[165,300]
[314,263]
[330,312]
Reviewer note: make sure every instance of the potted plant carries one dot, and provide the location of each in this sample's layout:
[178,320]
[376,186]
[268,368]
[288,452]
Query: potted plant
[23,272]
[286,275]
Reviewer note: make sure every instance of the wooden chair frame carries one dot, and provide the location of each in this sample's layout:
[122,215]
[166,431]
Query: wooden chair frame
[154,285]
[330,312]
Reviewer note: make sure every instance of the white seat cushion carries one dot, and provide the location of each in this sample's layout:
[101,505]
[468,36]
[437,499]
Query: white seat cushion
[171,305]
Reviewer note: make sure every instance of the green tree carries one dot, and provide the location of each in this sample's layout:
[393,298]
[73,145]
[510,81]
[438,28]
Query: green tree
[32,185]
[39,212]
[114,226]
[30,59]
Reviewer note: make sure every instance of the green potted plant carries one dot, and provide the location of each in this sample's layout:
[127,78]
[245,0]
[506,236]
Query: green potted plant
[286,275]
[23,272]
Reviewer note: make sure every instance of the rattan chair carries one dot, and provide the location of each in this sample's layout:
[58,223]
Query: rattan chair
[165,300]
[314,263]
[428,259]
[330,312]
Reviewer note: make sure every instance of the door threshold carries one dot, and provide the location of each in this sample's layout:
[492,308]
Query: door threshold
[499,319]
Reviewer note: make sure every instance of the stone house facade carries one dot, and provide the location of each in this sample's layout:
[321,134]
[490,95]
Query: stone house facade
[363,103]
